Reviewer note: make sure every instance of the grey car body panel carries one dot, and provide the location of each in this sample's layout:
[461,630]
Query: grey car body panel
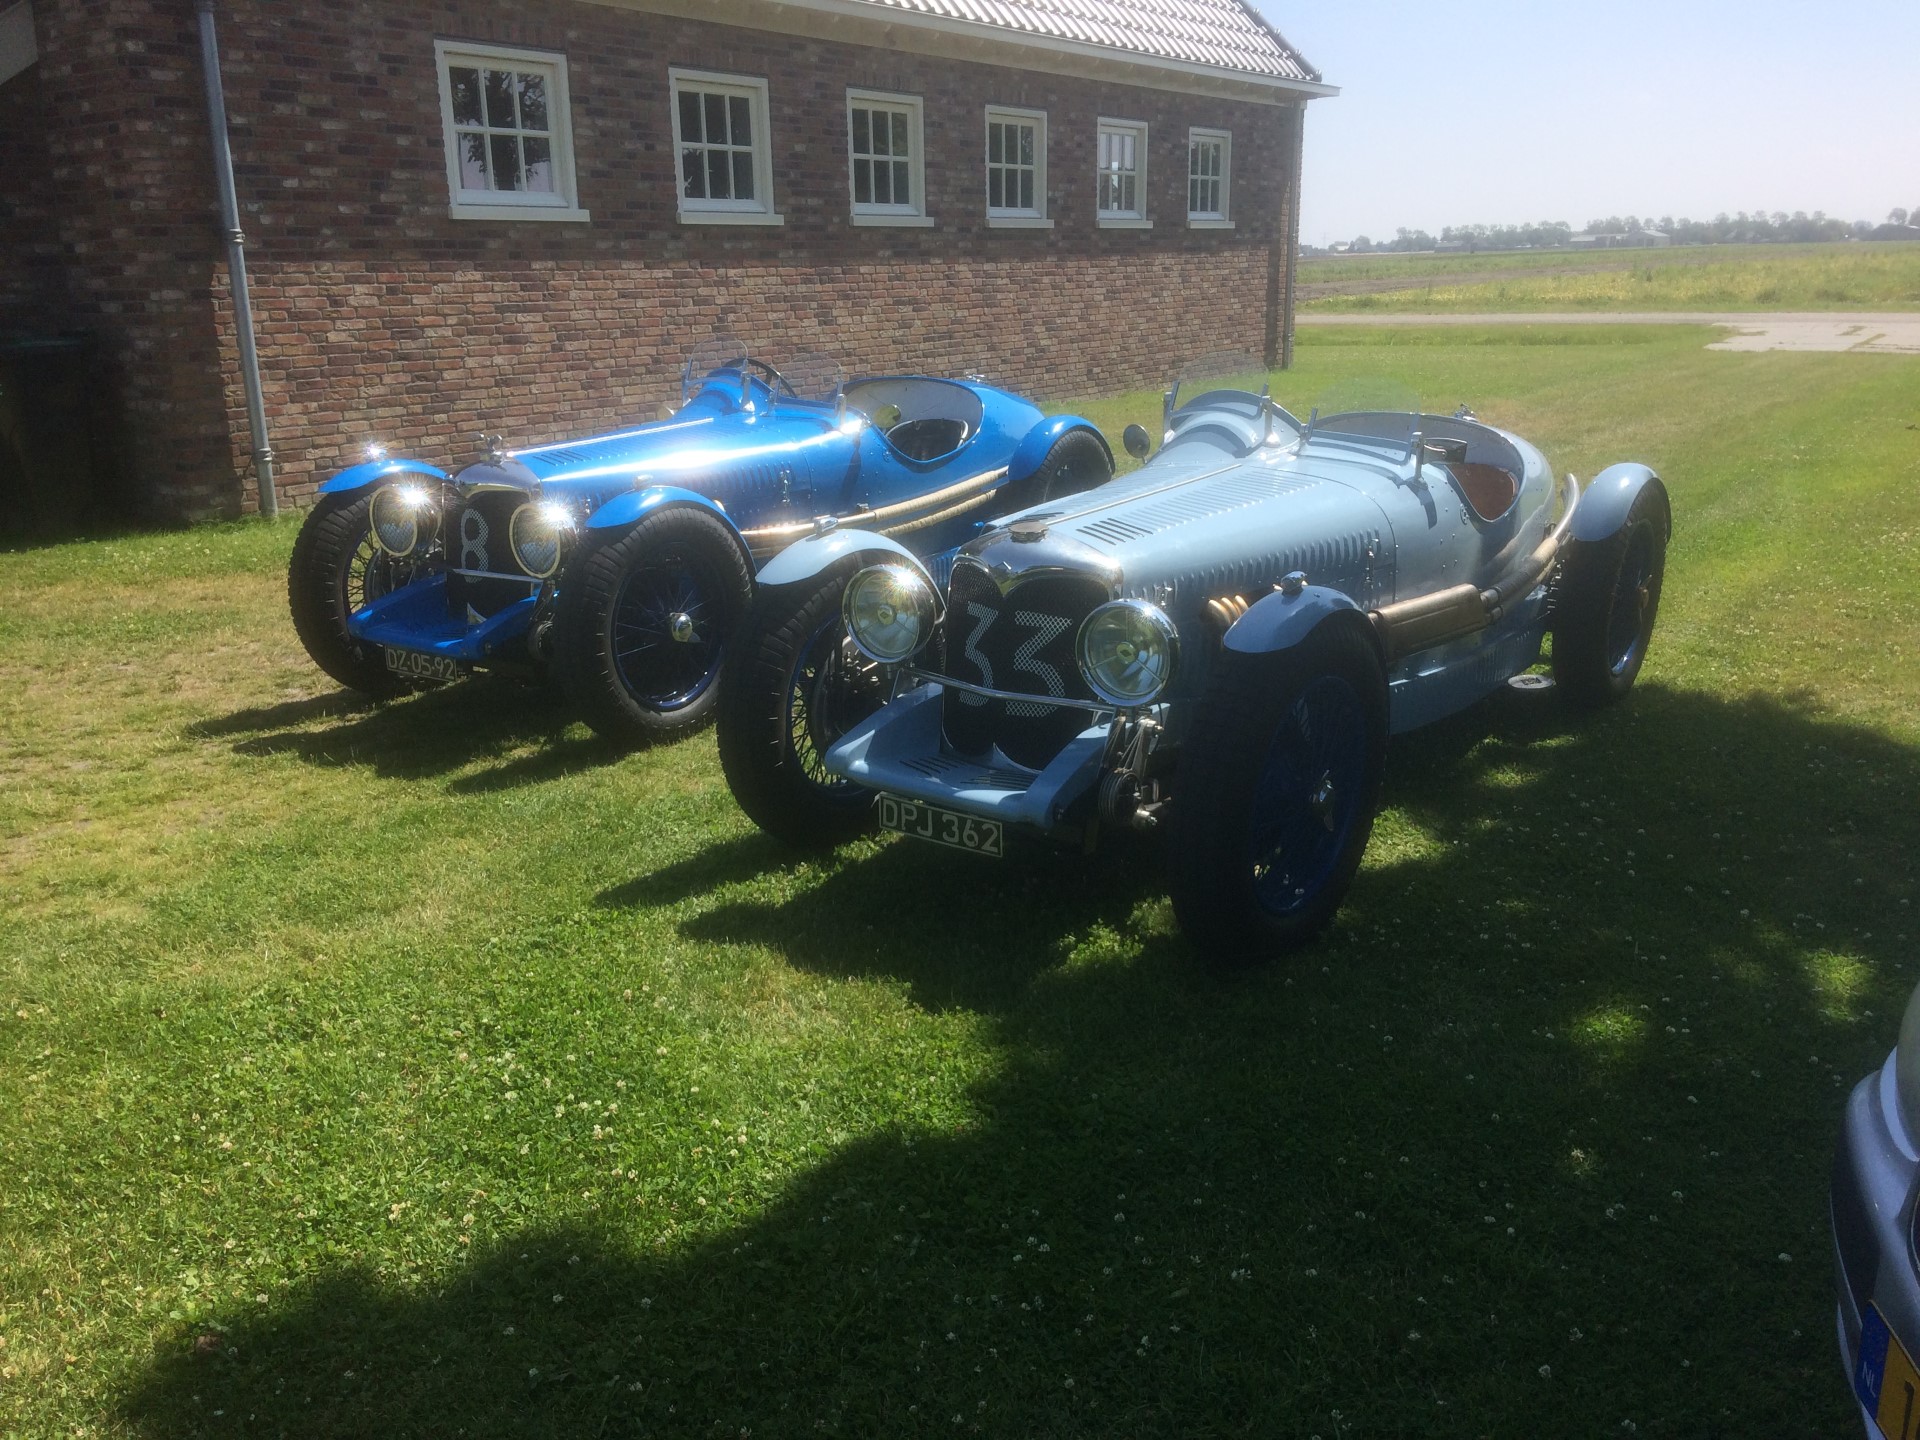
[1871,1208]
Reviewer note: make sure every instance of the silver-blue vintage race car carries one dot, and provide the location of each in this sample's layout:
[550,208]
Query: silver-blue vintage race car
[1876,1183]
[1216,646]
[622,563]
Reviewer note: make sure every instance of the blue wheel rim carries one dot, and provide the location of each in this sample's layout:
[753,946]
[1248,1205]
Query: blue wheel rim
[1308,796]
[1633,595]
[659,669]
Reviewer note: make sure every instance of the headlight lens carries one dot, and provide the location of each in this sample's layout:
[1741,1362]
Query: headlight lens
[1127,650]
[890,612]
[539,535]
[397,516]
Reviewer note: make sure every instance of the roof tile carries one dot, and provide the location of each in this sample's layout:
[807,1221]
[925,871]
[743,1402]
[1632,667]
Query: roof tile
[1225,34]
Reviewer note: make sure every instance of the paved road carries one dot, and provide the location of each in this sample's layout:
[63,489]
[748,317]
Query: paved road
[1878,334]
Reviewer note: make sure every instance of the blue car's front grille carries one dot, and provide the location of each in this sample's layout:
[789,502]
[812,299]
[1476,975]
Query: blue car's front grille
[1021,641]
[479,554]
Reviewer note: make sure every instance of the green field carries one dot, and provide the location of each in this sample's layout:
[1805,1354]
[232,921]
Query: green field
[1857,276]
[429,1069]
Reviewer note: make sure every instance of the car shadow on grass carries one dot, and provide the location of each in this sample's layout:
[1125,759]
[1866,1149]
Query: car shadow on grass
[419,737]
[1539,1131]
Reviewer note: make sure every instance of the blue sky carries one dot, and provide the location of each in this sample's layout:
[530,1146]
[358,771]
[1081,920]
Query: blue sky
[1506,112]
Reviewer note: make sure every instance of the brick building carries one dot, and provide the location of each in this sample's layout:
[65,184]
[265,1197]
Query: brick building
[518,215]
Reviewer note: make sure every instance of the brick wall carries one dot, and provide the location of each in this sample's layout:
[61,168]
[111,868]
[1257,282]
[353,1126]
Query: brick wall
[380,317]
[32,276]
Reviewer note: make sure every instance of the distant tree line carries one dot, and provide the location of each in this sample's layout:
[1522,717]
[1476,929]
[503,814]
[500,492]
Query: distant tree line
[1757,228]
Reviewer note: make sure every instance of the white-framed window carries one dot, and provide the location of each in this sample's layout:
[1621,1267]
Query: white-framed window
[509,134]
[1122,178]
[886,159]
[1210,178]
[723,149]
[1017,168]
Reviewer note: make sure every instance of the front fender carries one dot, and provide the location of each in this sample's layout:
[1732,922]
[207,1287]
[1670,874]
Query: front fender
[630,507]
[358,477]
[1281,621]
[1032,450]
[806,558]
[1604,504]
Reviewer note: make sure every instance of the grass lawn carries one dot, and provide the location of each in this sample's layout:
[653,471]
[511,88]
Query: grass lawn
[429,1069]
[1865,275]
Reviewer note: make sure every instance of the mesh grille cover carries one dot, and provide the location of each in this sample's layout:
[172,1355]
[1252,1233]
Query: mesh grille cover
[1020,641]
[475,538]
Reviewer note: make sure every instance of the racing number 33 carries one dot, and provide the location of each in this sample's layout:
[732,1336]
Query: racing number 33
[943,827]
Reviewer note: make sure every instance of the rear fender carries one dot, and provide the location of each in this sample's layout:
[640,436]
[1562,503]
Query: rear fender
[1605,502]
[1281,621]
[807,558]
[359,477]
[1031,452]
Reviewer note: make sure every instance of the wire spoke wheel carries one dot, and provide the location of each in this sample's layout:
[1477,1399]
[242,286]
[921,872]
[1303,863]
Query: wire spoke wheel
[1632,596]
[668,636]
[832,689]
[1307,795]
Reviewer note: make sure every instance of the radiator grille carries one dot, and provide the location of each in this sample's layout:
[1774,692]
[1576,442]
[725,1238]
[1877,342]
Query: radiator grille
[481,570]
[1021,641]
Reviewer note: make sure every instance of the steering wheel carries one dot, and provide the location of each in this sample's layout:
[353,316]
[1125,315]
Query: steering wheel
[775,380]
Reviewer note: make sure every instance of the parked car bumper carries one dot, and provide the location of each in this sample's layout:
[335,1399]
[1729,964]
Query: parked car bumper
[416,617]
[899,749]
[1871,1207]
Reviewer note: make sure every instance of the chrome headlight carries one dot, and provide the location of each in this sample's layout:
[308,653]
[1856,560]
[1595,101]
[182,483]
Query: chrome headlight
[890,611]
[539,535]
[399,516]
[1127,650]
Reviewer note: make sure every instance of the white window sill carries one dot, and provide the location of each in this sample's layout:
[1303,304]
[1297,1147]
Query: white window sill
[1208,222]
[902,222]
[518,212]
[1125,222]
[730,217]
[1019,222]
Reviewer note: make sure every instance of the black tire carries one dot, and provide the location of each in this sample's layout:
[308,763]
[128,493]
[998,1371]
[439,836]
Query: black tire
[1245,794]
[615,650]
[1076,462]
[1608,597]
[337,569]
[794,687]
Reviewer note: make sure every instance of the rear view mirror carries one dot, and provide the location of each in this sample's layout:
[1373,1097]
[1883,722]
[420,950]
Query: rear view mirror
[1137,441]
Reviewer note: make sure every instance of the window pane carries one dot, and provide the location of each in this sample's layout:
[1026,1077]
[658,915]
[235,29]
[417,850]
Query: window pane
[1026,144]
[1026,190]
[500,99]
[533,101]
[504,151]
[996,195]
[899,132]
[539,158]
[719,176]
[743,175]
[742,114]
[693,174]
[473,161]
[862,132]
[883,134]
[716,108]
[466,95]
[902,184]
[883,184]
[863,182]
[995,153]
[692,132]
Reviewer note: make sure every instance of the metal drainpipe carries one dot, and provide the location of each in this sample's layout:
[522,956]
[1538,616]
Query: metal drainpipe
[236,260]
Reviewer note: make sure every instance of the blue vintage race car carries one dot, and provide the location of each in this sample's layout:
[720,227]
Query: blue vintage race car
[1217,646]
[622,563]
